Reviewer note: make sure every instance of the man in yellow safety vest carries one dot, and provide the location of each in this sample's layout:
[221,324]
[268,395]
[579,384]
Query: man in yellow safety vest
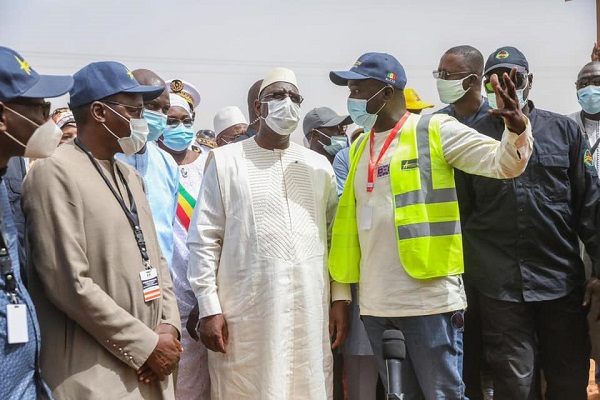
[397,228]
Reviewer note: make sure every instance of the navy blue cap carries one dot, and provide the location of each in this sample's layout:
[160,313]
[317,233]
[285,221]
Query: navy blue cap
[101,79]
[506,57]
[380,66]
[18,79]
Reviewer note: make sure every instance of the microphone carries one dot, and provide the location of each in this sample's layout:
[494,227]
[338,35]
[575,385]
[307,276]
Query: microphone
[394,351]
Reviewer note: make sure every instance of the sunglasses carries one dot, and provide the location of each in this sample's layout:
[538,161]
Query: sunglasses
[521,80]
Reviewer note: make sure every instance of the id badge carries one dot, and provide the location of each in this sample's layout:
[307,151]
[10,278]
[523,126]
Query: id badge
[366,218]
[150,284]
[16,321]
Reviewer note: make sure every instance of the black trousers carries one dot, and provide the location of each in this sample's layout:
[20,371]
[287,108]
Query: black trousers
[556,330]
[474,364]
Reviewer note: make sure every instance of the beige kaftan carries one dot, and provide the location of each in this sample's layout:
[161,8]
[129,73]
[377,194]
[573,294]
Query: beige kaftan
[84,267]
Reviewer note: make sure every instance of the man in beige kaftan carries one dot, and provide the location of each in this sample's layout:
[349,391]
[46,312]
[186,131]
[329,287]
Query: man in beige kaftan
[103,336]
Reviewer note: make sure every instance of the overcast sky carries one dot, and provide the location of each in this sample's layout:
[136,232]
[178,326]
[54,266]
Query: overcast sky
[224,46]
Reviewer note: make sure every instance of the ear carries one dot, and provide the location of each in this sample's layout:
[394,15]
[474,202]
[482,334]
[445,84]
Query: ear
[314,134]
[257,108]
[473,79]
[530,77]
[98,112]
[2,117]
[388,93]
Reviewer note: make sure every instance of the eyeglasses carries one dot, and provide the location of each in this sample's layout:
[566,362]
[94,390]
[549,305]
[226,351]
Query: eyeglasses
[521,80]
[43,107]
[174,122]
[295,97]
[584,82]
[440,74]
[336,130]
[155,105]
[137,110]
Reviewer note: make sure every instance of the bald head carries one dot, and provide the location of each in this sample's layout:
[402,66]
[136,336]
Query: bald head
[146,77]
[253,95]
[591,69]
[472,58]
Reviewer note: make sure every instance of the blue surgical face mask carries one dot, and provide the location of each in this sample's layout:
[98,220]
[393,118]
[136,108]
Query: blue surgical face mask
[178,138]
[157,122]
[589,99]
[357,108]
[494,104]
[337,143]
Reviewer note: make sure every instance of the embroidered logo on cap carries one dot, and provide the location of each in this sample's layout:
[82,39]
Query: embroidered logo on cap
[129,73]
[24,65]
[176,86]
[502,54]
[391,77]
[587,158]
[358,63]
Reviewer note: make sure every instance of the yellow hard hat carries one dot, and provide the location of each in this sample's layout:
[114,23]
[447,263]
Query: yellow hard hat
[413,101]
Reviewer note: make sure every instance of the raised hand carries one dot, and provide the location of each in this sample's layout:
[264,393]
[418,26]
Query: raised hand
[509,108]
[596,52]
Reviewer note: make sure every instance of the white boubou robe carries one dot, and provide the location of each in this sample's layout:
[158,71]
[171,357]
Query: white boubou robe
[258,245]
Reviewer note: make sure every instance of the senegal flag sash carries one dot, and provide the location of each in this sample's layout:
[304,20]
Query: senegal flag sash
[185,207]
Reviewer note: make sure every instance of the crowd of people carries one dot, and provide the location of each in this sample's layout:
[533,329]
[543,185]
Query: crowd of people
[141,259]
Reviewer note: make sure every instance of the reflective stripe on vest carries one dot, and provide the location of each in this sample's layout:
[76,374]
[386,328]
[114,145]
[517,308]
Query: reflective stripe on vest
[426,215]
[427,195]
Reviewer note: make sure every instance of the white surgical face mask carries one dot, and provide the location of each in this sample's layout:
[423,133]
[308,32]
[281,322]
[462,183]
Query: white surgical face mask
[138,128]
[283,116]
[43,141]
[494,103]
[451,91]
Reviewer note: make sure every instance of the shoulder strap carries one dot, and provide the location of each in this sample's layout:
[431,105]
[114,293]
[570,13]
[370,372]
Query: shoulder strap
[423,125]
[357,144]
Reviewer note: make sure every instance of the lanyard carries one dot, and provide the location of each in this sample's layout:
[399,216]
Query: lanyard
[10,283]
[131,214]
[373,165]
[595,146]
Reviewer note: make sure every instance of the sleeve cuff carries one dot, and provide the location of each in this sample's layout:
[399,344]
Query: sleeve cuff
[138,352]
[513,137]
[340,291]
[209,305]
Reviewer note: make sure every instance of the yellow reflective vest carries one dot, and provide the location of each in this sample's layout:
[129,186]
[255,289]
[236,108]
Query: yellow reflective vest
[426,212]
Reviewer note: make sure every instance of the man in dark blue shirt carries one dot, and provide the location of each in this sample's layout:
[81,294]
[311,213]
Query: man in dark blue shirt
[522,253]
[460,73]
[25,130]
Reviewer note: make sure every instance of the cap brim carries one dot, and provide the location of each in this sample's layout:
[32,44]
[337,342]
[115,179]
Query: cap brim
[520,68]
[147,92]
[420,106]
[341,78]
[49,86]
[339,120]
